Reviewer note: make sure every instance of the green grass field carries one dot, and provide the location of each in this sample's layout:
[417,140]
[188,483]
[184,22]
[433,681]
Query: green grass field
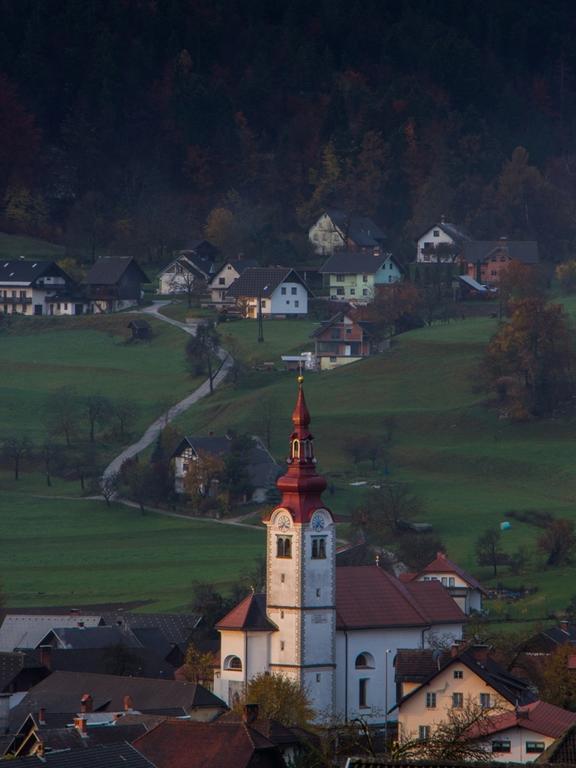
[92,356]
[468,466]
[67,552]
[16,246]
[281,337]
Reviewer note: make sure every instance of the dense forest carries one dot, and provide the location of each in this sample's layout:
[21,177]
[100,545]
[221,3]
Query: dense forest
[135,125]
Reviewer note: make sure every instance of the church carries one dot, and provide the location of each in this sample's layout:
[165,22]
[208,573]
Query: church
[335,631]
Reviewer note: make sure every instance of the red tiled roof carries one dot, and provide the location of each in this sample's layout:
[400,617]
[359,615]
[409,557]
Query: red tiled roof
[443,565]
[186,744]
[416,664]
[538,716]
[407,576]
[249,614]
[367,596]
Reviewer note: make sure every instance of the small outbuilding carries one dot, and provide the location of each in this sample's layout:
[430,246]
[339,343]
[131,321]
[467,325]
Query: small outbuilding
[141,330]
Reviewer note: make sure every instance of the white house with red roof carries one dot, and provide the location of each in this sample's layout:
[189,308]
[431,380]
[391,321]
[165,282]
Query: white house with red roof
[462,586]
[335,631]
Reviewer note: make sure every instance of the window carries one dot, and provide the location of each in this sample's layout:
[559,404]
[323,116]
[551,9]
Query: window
[333,358]
[263,303]
[363,692]
[494,272]
[282,578]
[287,301]
[431,700]
[352,291]
[365,292]
[451,581]
[66,307]
[457,700]
[283,546]
[234,663]
[436,233]
[281,614]
[318,548]
[318,677]
[339,291]
[283,290]
[222,280]
[390,278]
[335,333]
[282,645]
[485,700]
[501,745]
[458,674]
[535,747]
[296,302]
[364,278]
[318,592]
[364,660]
[22,294]
[294,290]
[339,278]
[348,331]
[423,732]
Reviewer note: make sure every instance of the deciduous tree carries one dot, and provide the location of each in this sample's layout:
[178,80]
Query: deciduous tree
[278,698]
[15,449]
[558,541]
[198,667]
[489,550]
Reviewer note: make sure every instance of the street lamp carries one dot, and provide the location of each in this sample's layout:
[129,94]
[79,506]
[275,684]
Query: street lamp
[387,652]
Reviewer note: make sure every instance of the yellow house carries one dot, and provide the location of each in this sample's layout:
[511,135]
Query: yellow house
[457,678]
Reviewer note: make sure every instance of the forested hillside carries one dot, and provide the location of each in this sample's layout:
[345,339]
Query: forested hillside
[133,125]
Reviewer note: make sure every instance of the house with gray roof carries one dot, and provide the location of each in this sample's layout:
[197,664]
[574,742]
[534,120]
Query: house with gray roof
[443,242]
[337,228]
[261,467]
[26,632]
[355,276]
[225,276]
[114,283]
[280,292]
[29,287]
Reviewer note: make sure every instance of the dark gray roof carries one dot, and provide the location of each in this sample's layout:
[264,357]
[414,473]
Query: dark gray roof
[100,756]
[366,325]
[25,272]
[525,251]
[10,666]
[455,231]
[93,637]
[263,281]
[62,691]
[27,631]
[354,262]
[240,265]
[177,627]
[262,469]
[200,264]
[362,230]
[142,662]
[109,270]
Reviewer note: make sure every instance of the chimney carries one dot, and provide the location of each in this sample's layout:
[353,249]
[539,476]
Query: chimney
[86,703]
[4,712]
[42,716]
[480,653]
[46,656]
[455,648]
[250,713]
[128,703]
[81,727]
[441,555]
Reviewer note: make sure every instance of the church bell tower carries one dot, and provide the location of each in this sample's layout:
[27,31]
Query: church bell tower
[301,583]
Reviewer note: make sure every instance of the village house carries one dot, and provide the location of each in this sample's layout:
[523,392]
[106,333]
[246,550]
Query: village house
[37,288]
[334,631]
[462,586]
[191,271]
[342,340]
[261,468]
[443,242]
[486,259]
[114,283]
[355,275]
[280,292]
[458,678]
[224,277]
[336,229]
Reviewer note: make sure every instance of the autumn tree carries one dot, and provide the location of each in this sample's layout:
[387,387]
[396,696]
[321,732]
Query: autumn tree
[530,360]
[488,549]
[198,667]
[97,410]
[14,450]
[558,685]
[395,308]
[520,281]
[235,478]
[200,476]
[278,698]
[558,541]
[566,276]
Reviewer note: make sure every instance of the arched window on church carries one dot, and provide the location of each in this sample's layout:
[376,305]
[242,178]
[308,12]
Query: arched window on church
[364,660]
[233,663]
[295,449]
[308,449]
[318,547]
[283,546]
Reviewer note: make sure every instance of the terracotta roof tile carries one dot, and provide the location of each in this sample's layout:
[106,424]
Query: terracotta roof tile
[367,596]
[250,614]
[443,565]
[538,716]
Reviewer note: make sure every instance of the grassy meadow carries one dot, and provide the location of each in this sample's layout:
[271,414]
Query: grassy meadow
[468,466]
[21,246]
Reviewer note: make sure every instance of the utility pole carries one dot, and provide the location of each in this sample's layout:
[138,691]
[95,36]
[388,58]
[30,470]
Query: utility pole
[260,319]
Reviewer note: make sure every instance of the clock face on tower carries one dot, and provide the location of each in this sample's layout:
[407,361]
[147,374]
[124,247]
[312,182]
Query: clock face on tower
[318,521]
[283,521]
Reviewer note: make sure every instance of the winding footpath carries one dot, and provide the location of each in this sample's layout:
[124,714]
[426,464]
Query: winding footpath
[202,391]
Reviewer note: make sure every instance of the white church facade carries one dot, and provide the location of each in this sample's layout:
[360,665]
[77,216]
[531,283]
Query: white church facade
[335,631]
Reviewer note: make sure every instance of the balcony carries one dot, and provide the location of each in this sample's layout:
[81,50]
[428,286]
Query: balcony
[15,300]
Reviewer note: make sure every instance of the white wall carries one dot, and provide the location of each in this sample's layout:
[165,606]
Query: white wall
[294,301]
[324,236]
[517,738]
[429,237]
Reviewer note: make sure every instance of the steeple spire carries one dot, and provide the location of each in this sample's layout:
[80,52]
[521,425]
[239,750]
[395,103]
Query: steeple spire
[301,486]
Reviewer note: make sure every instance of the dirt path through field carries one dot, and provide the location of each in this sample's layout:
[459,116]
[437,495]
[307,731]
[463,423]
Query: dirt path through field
[203,390]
